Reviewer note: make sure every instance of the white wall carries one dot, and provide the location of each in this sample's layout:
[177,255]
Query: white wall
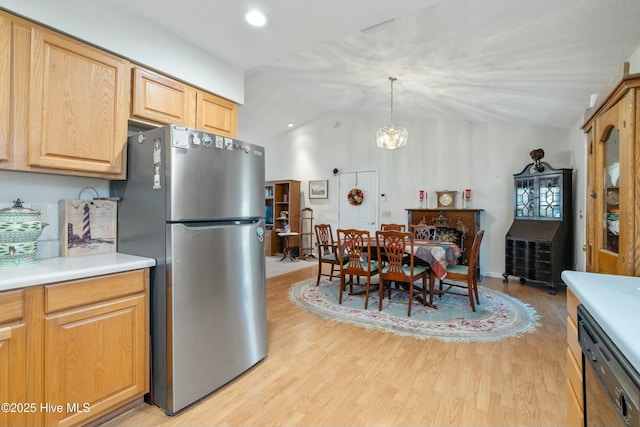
[441,154]
[46,190]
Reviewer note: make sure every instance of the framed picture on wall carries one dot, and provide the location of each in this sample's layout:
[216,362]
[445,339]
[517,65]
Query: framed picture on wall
[319,189]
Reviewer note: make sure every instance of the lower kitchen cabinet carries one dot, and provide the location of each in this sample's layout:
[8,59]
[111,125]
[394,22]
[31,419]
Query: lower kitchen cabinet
[13,346]
[96,345]
[89,354]
[575,411]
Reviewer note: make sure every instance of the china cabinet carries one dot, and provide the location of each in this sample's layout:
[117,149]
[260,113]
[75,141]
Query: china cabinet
[539,243]
[613,216]
[282,210]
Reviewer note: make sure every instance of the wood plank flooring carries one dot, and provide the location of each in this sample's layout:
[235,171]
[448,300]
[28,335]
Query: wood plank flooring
[323,373]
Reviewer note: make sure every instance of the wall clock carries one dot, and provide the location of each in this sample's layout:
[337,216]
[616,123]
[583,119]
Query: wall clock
[446,199]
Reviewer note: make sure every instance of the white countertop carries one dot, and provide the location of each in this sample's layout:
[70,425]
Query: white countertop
[614,302]
[53,270]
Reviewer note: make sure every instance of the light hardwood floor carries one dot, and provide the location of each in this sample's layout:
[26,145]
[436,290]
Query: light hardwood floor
[324,373]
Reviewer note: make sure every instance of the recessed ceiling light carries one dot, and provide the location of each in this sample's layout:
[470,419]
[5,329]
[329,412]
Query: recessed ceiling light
[255,18]
[290,125]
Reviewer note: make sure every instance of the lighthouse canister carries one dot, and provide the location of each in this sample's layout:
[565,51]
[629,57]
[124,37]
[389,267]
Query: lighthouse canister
[87,227]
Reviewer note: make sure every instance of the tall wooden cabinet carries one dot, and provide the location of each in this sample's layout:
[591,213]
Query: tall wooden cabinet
[612,126]
[539,243]
[282,209]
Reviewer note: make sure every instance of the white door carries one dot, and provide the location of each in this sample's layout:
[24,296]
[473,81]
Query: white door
[365,215]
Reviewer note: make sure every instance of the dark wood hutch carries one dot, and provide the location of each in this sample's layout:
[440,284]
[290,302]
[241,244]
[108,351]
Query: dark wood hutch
[465,220]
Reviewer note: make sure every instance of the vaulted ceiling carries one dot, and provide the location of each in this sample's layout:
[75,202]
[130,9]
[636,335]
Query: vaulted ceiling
[516,61]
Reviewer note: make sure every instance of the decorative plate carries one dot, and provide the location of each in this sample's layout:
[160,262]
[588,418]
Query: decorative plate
[355,197]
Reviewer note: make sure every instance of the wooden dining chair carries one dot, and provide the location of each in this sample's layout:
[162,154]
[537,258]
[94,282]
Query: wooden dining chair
[327,251]
[423,232]
[398,245]
[393,227]
[465,273]
[357,245]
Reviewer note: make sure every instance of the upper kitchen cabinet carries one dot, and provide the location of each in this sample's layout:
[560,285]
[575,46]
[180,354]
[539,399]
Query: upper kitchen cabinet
[159,100]
[68,103]
[5,86]
[79,106]
[216,115]
[613,164]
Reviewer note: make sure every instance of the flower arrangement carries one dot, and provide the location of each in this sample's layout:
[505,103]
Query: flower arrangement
[355,197]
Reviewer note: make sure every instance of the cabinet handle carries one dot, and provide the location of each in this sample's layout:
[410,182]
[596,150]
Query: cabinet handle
[594,195]
[5,334]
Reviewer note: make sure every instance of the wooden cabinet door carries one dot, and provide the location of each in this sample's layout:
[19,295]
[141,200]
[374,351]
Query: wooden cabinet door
[216,115]
[613,226]
[96,358]
[78,104]
[13,360]
[5,86]
[162,100]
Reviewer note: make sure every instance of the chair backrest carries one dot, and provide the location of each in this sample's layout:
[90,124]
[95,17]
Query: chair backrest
[396,245]
[393,227]
[423,232]
[474,257]
[357,245]
[324,238]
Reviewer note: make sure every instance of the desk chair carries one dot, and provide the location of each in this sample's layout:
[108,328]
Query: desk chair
[397,245]
[357,245]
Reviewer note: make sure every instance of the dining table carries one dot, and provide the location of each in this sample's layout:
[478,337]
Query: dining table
[439,254]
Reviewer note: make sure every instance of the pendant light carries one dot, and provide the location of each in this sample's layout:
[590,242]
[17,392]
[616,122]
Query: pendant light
[392,137]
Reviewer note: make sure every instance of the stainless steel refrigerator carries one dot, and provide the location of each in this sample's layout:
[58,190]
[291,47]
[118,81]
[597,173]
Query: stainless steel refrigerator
[194,201]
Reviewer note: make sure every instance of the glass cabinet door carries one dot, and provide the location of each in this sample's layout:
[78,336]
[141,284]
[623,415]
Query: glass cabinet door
[611,241]
[550,197]
[525,198]
[611,193]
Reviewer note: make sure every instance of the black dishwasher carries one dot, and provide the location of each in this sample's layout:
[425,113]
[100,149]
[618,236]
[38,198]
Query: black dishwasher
[611,385]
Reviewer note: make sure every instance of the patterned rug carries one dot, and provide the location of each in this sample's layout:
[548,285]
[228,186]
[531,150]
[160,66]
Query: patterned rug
[497,317]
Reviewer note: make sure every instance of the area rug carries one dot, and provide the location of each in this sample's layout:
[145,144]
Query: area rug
[498,315]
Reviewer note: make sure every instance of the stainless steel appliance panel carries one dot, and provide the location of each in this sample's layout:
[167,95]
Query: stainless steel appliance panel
[611,384]
[218,309]
[213,180]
